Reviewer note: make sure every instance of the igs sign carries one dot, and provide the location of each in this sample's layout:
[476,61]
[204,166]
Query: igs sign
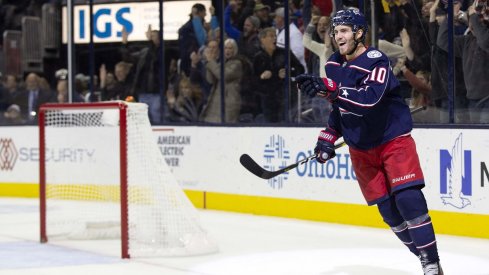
[110,19]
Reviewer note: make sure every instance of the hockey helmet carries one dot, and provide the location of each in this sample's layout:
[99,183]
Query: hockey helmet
[350,17]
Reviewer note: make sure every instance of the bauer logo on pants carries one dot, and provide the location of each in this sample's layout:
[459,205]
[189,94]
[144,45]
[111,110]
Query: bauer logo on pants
[455,175]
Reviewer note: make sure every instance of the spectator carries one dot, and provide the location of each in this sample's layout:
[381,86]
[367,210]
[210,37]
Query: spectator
[324,7]
[460,18]
[198,63]
[5,98]
[62,88]
[186,106]
[248,42]
[238,13]
[262,12]
[295,35]
[418,44]
[145,73]
[269,71]
[232,77]
[439,72]
[406,44]
[421,87]
[115,86]
[296,14]
[272,4]
[191,36]
[11,84]
[81,87]
[12,116]
[392,20]
[172,82]
[193,44]
[473,48]
[391,50]
[248,46]
[198,72]
[32,97]
[324,50]
[421,92]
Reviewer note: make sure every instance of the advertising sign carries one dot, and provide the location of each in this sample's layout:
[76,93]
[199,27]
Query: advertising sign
[110,19]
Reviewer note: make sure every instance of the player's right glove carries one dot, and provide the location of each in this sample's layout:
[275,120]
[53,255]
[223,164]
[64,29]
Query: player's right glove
[325,145]
[315,85]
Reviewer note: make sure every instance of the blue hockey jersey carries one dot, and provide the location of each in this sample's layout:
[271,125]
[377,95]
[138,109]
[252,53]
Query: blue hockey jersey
[369,110]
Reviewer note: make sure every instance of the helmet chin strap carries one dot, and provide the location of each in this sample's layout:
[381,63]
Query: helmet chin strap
[356,41]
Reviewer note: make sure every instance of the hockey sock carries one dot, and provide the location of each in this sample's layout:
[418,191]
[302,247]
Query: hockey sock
[412,206]
[393,218]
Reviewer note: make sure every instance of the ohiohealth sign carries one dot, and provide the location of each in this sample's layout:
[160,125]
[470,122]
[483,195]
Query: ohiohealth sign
[110,19]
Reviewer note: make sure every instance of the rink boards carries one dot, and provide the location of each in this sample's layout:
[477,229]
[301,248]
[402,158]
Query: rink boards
[205,161]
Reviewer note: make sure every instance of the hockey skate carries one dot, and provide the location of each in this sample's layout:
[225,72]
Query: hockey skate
[432,268]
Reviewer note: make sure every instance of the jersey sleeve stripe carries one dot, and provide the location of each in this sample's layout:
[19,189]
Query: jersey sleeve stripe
[333,63]
[360,69]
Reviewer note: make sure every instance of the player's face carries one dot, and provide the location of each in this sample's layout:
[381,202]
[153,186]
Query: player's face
[343,35]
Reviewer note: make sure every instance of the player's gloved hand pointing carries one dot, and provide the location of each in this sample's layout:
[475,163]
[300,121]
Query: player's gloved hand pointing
[325,146]
[315,85]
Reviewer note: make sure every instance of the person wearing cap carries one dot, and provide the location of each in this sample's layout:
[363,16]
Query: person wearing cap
[263,13]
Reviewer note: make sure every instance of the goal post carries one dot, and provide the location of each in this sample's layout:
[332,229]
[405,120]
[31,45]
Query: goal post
[102,176]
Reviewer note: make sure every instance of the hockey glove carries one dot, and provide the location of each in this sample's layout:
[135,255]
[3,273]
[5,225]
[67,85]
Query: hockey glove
[331,92]
[314,85]
[325,146]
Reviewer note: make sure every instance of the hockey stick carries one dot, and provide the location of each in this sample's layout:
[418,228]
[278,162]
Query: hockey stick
[259,171]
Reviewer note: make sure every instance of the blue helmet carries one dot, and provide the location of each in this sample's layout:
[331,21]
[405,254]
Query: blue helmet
[350,17]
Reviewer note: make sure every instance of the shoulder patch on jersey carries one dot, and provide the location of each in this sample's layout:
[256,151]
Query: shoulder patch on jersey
[374,54]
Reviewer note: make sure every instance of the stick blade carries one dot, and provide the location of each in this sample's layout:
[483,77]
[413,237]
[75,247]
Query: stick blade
[252,166]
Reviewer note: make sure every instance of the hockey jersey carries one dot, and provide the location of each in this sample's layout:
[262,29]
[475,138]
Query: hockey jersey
[369,110]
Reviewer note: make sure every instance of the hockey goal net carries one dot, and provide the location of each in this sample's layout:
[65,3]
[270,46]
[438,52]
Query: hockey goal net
[102,176]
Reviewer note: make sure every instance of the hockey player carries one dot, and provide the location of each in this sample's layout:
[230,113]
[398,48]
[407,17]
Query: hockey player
[370,114]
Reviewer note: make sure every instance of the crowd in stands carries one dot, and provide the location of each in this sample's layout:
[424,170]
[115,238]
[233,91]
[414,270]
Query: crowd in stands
[412,33]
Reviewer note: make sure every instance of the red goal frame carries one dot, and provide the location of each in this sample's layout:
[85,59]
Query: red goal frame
[122,107]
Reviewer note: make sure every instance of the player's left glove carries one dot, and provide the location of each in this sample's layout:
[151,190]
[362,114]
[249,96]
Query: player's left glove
[325,145]
[314,85]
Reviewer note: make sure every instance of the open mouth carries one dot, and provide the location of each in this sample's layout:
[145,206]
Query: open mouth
[342,45]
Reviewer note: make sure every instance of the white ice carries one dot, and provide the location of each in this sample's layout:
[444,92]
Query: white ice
[249,244]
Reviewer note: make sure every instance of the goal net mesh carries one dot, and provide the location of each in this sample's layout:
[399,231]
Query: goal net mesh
[83,184]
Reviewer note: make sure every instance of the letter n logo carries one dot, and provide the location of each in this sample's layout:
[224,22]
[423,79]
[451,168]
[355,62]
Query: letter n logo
[456,175]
